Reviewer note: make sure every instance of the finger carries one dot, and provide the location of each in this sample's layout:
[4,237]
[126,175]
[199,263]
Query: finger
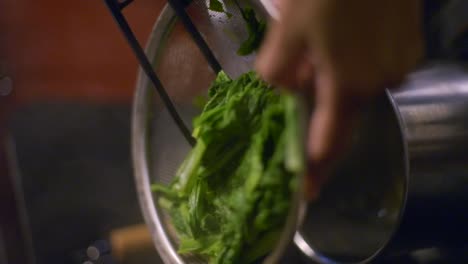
[330,129]
[305,76]
[313,183]
[280,54]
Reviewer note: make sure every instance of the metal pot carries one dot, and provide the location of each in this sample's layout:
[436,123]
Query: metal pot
[403,185]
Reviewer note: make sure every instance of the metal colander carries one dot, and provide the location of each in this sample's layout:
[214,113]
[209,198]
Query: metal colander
[380,194]
[159,147]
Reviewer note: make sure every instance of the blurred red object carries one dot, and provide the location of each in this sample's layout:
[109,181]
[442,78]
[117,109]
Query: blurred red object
[54,50]
[71,50]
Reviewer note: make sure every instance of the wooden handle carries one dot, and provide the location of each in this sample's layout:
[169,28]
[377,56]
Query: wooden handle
[130,241]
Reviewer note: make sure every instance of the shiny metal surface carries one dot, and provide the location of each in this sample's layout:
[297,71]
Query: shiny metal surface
[360,206]
[433,105]
[404,183]
[140,142]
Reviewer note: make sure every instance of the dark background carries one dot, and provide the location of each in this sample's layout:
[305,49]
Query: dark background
[68,121]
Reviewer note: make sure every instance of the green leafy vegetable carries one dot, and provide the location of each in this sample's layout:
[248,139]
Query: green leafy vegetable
[216,5]
[255,29]
[231,196]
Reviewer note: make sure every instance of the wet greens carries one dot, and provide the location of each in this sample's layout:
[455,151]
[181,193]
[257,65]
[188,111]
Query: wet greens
[230,198]
[256,31]
[255,27]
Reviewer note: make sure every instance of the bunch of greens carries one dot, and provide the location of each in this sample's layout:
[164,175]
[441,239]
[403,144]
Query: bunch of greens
[255,28]
[230,198]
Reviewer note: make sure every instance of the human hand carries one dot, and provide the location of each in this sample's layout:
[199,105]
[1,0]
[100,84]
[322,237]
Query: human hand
[345,52]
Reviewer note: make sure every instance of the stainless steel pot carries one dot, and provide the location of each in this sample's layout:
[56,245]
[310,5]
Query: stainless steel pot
[404,183]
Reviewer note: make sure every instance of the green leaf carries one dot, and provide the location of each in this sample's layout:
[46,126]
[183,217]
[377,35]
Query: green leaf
[256,31]
[262,246]
[232,193]
[216,5]
[294,154]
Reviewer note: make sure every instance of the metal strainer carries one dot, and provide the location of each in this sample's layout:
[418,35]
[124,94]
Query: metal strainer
[186,68]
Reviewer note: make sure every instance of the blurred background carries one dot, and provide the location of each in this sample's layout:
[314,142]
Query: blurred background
[66,83]
[67,78]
